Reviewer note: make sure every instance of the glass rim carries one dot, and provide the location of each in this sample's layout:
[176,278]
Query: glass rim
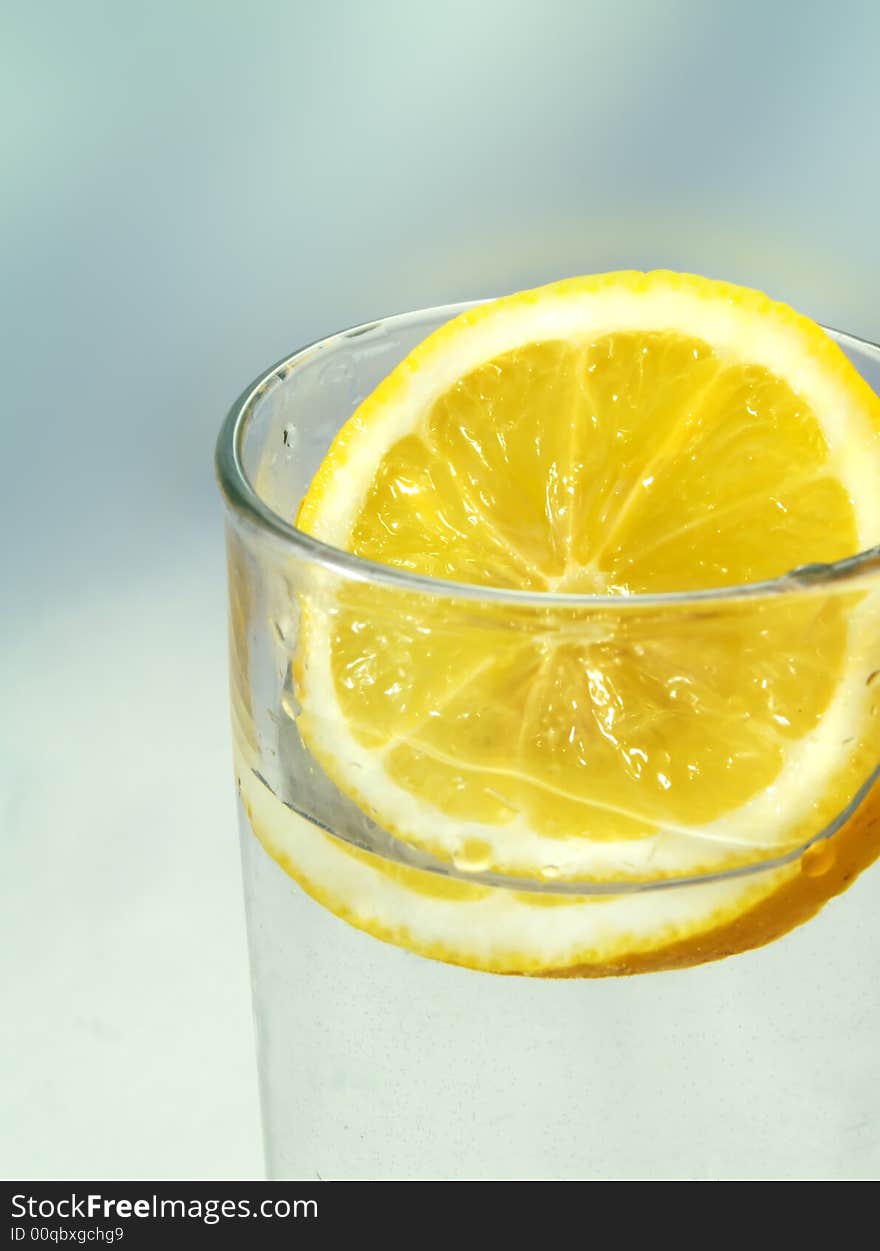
[243,498]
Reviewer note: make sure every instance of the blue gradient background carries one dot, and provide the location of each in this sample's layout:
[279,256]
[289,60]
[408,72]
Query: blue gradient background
[189,191]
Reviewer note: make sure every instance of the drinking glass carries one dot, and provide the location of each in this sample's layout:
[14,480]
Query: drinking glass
[380,1061]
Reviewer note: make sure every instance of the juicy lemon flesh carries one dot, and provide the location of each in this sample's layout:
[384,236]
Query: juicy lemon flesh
[640,462]
[626,465]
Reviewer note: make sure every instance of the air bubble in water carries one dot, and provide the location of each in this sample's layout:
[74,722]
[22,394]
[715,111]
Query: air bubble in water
[472,856]
[818,859]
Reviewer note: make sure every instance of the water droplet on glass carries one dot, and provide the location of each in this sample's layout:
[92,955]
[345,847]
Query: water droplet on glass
[290,705]
[549,871]
[472,856]
[818,859]
[285,628]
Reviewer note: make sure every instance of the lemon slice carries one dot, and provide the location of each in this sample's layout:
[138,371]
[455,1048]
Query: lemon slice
[627,434]
[498,930]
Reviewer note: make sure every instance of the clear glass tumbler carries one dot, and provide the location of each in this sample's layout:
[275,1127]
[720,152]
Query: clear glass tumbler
[385,1049]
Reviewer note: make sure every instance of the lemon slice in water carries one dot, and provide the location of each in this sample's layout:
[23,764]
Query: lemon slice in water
[623,435]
